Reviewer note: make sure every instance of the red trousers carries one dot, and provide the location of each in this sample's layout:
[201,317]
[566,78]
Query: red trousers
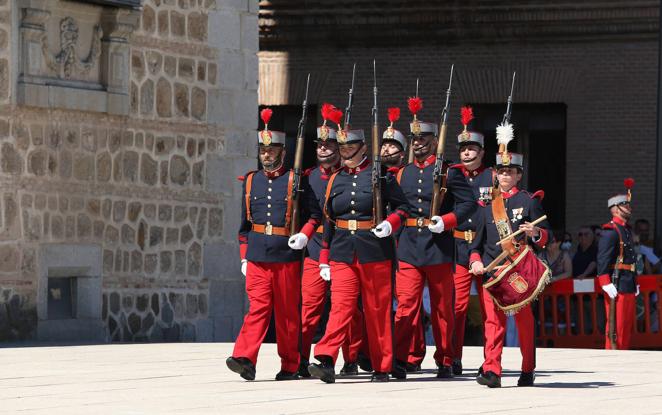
[272,287]
[373,282]
[417,347]
[409,283]
[495,332]
[463,279]
[313,298]
[625,316]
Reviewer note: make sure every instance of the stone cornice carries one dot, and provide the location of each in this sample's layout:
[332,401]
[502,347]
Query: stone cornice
[287,24]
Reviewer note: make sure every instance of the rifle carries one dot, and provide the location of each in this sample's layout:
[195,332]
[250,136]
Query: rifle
[410,149]
[348,110]
[509,108]
[298,161]
[612,312]
[377,207]
[439,175]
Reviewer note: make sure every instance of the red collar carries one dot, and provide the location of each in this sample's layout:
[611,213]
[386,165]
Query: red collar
[472,173]
[618,221]
[354,170]
[325,173]
[427,162]
[512,192]
[275,173]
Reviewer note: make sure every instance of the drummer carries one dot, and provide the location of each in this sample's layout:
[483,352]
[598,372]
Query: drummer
[521,208]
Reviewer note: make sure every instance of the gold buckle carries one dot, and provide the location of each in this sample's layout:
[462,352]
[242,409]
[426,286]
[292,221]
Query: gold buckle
[420,221]
[468,236]
[268,229]
[352,225]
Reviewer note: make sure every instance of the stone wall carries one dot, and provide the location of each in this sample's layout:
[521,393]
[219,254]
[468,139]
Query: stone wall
[148,187]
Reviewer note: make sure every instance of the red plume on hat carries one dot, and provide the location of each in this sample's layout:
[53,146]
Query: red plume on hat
[335,115]
[327,111]
[266,114]
[629,184]
[415,104]
[467,114]
[393,115]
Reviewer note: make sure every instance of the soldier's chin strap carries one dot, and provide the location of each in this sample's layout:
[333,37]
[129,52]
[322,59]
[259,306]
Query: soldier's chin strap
[353,154]
[280,162]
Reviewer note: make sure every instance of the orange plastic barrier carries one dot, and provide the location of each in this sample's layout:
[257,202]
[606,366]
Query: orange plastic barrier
[571,313]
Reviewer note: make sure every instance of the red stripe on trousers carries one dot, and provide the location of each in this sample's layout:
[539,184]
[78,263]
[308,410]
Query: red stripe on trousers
[409,284]
[495,332]
[625,305]
[373,281]
[313,299]
[272,287]
[463,279]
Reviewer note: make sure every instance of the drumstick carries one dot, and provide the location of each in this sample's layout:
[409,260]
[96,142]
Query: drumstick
[520,231]
[498,259]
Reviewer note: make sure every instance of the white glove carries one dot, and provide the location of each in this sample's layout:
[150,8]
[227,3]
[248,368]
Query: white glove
[383,230]
[298,241]
[325,272]
[244,265]
[436,224]
[610,289]
[637,293]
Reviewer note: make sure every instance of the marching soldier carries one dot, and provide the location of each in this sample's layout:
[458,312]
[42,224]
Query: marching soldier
[393,148]
[271,268]
[394,142]
[616,271]
[426,254]
[358,255]
[314,288]
[481,180]
[521,208]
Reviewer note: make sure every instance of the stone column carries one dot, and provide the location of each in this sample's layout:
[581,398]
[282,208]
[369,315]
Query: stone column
[117,26]
[34,15]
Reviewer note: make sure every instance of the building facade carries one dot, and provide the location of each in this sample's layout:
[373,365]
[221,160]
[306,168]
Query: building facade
[585,92]
[123,125]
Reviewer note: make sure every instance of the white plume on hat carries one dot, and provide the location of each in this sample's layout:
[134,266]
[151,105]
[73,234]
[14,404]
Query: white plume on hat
[505,133]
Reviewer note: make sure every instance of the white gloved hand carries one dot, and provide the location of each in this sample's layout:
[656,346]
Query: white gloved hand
[298,241]
[610,289]
[383,230]
[637,293]
[325,272]
[436,224]
[244,265]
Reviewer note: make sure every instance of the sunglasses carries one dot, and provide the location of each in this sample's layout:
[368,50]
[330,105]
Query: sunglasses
[583,234]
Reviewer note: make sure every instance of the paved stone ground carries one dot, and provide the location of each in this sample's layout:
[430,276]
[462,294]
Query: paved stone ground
[193,379]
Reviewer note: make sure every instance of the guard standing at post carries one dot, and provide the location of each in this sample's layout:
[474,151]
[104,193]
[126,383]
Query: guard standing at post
[426,254]
[271,268]
[481,179]
[616,271]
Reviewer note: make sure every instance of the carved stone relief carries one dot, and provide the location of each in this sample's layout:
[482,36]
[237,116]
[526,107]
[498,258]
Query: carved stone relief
[67,63]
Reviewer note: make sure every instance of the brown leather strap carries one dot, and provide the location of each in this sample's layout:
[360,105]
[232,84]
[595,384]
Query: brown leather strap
[502,221]
[320,229]
[329,186]
[623,267]
[417,222]
[290,199]
[468,236]
[398,176]
[620,258]
[249,185]
[270,230]
[354,225]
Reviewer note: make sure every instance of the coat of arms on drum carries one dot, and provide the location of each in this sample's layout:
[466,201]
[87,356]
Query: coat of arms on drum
[518,282]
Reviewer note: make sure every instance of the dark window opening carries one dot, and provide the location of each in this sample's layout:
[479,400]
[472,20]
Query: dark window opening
[62,294]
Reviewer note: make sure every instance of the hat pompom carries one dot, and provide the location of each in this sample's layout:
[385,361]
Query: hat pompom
[415,104]
[505,133]
[266,114]
[327,111]
[335,115]
[393,114]
[467,114]
[629,183]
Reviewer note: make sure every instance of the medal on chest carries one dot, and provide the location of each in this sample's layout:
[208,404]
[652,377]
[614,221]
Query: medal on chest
[517,214]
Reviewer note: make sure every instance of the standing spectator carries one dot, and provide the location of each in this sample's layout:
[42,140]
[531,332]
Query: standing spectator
[584,262]
[645,246]
[558,260]
[567,242]
[597,232]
